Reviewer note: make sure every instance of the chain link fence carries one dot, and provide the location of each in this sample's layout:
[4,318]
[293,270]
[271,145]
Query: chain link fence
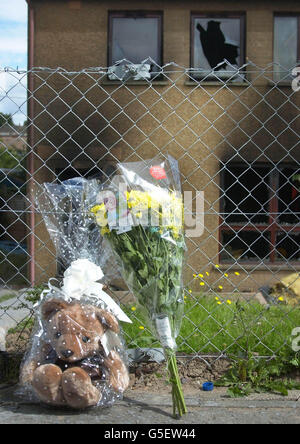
[235,134]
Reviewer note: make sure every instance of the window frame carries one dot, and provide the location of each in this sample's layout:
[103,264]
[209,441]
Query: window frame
[219,15]
[135,14]
[288,14]
[273,227]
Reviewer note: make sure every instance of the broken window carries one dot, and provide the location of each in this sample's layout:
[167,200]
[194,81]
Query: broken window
[260,213]
[248,194]
[245,246]
[135,36]
[286,45]
[217,44]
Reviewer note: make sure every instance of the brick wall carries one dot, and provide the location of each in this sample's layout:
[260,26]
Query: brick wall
[73,35]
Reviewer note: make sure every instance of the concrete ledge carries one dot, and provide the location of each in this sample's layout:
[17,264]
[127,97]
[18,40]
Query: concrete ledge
[155,409]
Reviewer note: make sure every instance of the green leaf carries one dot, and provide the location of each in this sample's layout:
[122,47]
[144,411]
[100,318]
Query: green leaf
[236,392]
[143,273]
[277,386]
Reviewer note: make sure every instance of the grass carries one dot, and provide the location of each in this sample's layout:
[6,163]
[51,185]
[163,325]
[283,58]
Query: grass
[232,327]
[211,326]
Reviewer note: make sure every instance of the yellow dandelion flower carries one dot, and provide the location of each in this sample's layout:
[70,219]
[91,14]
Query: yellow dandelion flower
[200,275]
[219,303]
[194,275]
[226,275]
[281,299]
[216,298]
[133,308]
[229,302]
[190,291]
[202,284]
[207,273]
[217,266]
[220,287]
[236,273]
[141,327]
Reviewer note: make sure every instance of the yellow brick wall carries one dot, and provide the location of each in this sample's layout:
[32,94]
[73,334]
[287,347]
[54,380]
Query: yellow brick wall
[73,35]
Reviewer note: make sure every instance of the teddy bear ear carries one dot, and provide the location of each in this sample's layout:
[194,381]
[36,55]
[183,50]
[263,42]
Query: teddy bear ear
[51,307]
[108,319]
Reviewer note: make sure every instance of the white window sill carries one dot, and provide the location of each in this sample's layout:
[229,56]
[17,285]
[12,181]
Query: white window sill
[107,82]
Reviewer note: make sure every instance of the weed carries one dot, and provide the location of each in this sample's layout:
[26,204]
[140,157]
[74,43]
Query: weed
[253,374]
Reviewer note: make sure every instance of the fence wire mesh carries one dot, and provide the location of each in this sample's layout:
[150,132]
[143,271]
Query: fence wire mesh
[235,135]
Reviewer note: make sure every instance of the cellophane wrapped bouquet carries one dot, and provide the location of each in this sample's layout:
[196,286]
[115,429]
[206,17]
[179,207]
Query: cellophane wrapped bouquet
[140,214]
[77,356]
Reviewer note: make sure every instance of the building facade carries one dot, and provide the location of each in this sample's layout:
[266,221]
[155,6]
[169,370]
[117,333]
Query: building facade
[247,129]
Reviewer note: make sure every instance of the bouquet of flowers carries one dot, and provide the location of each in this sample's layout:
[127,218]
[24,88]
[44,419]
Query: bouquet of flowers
[140,213]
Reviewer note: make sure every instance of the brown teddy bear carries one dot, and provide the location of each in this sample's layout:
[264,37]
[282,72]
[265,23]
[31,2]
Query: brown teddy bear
[72,364]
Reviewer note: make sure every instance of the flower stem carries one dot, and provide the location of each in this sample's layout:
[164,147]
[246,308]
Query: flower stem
[179,406]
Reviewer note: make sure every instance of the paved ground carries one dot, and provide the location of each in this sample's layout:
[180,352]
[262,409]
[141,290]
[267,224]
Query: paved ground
[9,315]
[153,409]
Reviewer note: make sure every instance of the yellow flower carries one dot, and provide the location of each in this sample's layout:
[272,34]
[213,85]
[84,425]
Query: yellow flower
[133,308]
[202,284]
[219,303]
[281,299]
[141,327]
[226,275]
[190,291]
[207,273]
[220,287]
[97,208]
[217,266]
[100,213]
[216,298]
[105,230]
[236,273]
[229,302]
[101,219]
[194,275]
[200,275]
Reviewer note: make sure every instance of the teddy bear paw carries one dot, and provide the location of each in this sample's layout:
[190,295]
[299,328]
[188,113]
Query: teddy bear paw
[78,389]
[46,383]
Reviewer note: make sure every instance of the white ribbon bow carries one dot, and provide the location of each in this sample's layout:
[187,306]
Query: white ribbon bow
[81,279]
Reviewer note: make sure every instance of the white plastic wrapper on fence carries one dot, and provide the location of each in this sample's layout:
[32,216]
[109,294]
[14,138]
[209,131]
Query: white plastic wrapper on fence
[72,229]
[77,356]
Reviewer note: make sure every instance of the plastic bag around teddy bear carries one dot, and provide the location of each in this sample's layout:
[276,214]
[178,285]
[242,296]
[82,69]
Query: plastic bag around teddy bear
[77,356]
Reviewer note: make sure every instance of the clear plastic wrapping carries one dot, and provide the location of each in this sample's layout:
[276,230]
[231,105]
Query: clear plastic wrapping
[65,211]
[140,213]
[77,356]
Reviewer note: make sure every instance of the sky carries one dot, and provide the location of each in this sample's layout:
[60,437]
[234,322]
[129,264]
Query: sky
[13,54]
[13,33]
